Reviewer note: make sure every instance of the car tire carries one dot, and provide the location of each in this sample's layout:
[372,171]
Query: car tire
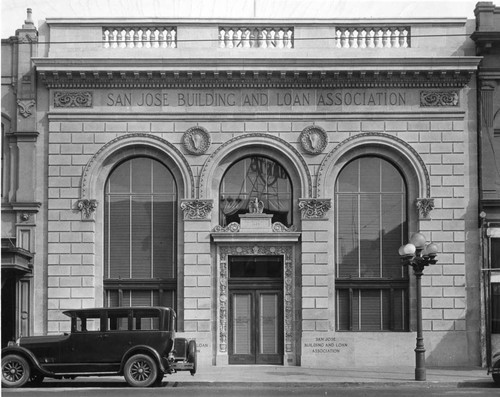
[140,371]
[496,377]
[191,356]
[159,379]
[15,371]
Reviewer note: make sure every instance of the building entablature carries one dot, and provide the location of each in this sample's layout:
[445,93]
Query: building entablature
[361,73]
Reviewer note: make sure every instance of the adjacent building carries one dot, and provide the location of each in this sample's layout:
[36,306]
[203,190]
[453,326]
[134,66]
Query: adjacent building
[258,175]
[487,39]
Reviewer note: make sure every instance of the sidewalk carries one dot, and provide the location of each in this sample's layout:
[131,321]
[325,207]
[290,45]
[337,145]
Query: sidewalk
[300,375]
[279,376]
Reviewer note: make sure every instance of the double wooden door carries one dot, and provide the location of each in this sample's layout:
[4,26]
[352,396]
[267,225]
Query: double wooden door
[256,326]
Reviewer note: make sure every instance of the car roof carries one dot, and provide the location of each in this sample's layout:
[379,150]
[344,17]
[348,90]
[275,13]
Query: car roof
[94,310]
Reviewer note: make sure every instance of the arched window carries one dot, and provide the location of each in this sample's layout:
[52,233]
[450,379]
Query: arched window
[256,177]
[140,234]
[371,225]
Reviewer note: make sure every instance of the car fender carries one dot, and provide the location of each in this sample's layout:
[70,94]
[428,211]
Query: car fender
[142,349]
[27,354]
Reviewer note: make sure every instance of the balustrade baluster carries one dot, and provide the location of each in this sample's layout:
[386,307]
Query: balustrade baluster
[289,35]
[281,35]
[387,38]
[362,39]
[114,39]
[105,38]
[403,39]
[222,38]
[395,38]
[164,38]
[353,38]
[371,39]
[263,38]
[122,40]
[254,34]
[174,38]
[246,39]
[237,39]
[345,38]
[379,39]
[338,38]
[271,43]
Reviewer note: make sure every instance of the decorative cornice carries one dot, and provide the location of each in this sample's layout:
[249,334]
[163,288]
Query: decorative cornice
[314,208]
[196,209]
[87,207]
[425,206]
[259,79]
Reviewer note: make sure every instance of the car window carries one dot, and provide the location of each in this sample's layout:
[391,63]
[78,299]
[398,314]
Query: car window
[146,320]
[86,322]
[118,321]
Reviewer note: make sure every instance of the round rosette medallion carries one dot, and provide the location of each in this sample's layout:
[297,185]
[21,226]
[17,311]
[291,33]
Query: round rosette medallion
[196,140]
[313,139]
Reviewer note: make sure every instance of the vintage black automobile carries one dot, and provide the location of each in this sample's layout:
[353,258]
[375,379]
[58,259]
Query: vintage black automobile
[136,342]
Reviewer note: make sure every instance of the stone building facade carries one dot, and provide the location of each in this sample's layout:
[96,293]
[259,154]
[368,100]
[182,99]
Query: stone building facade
[257,175]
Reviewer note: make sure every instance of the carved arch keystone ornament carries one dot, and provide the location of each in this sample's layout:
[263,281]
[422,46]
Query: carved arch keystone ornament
[313,139]
[224,254]
[196,209]
[25,107]
[196,140]
[314,208]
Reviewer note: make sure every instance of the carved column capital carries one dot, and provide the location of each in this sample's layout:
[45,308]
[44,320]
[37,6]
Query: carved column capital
[314,208]
[425,206]
[87,207]
[196,209]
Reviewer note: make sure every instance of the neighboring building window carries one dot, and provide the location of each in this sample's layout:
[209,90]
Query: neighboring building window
[371,285]
[140,234]
[256,177]
[495,287]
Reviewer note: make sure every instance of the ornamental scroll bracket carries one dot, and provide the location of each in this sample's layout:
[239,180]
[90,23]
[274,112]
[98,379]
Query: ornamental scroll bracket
[314,208]
[425,206]
[196,209]
[25,107]
[87,207]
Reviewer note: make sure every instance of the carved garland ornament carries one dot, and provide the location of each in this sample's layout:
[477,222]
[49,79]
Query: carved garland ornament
[438,98]
[314,208]
[313,139]
[73,99]
[196,209]
[196,140]
[225,252]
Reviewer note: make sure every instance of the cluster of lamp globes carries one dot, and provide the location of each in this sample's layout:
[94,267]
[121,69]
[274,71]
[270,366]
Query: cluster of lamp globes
[418,247]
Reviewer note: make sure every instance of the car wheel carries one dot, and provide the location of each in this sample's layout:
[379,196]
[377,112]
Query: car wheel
[191,357]
[15,371]
[140,371]
[496,377]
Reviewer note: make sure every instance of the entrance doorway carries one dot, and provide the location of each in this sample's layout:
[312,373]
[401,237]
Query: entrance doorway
[255,310]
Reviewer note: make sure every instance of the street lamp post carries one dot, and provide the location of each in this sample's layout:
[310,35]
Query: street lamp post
[418,255]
